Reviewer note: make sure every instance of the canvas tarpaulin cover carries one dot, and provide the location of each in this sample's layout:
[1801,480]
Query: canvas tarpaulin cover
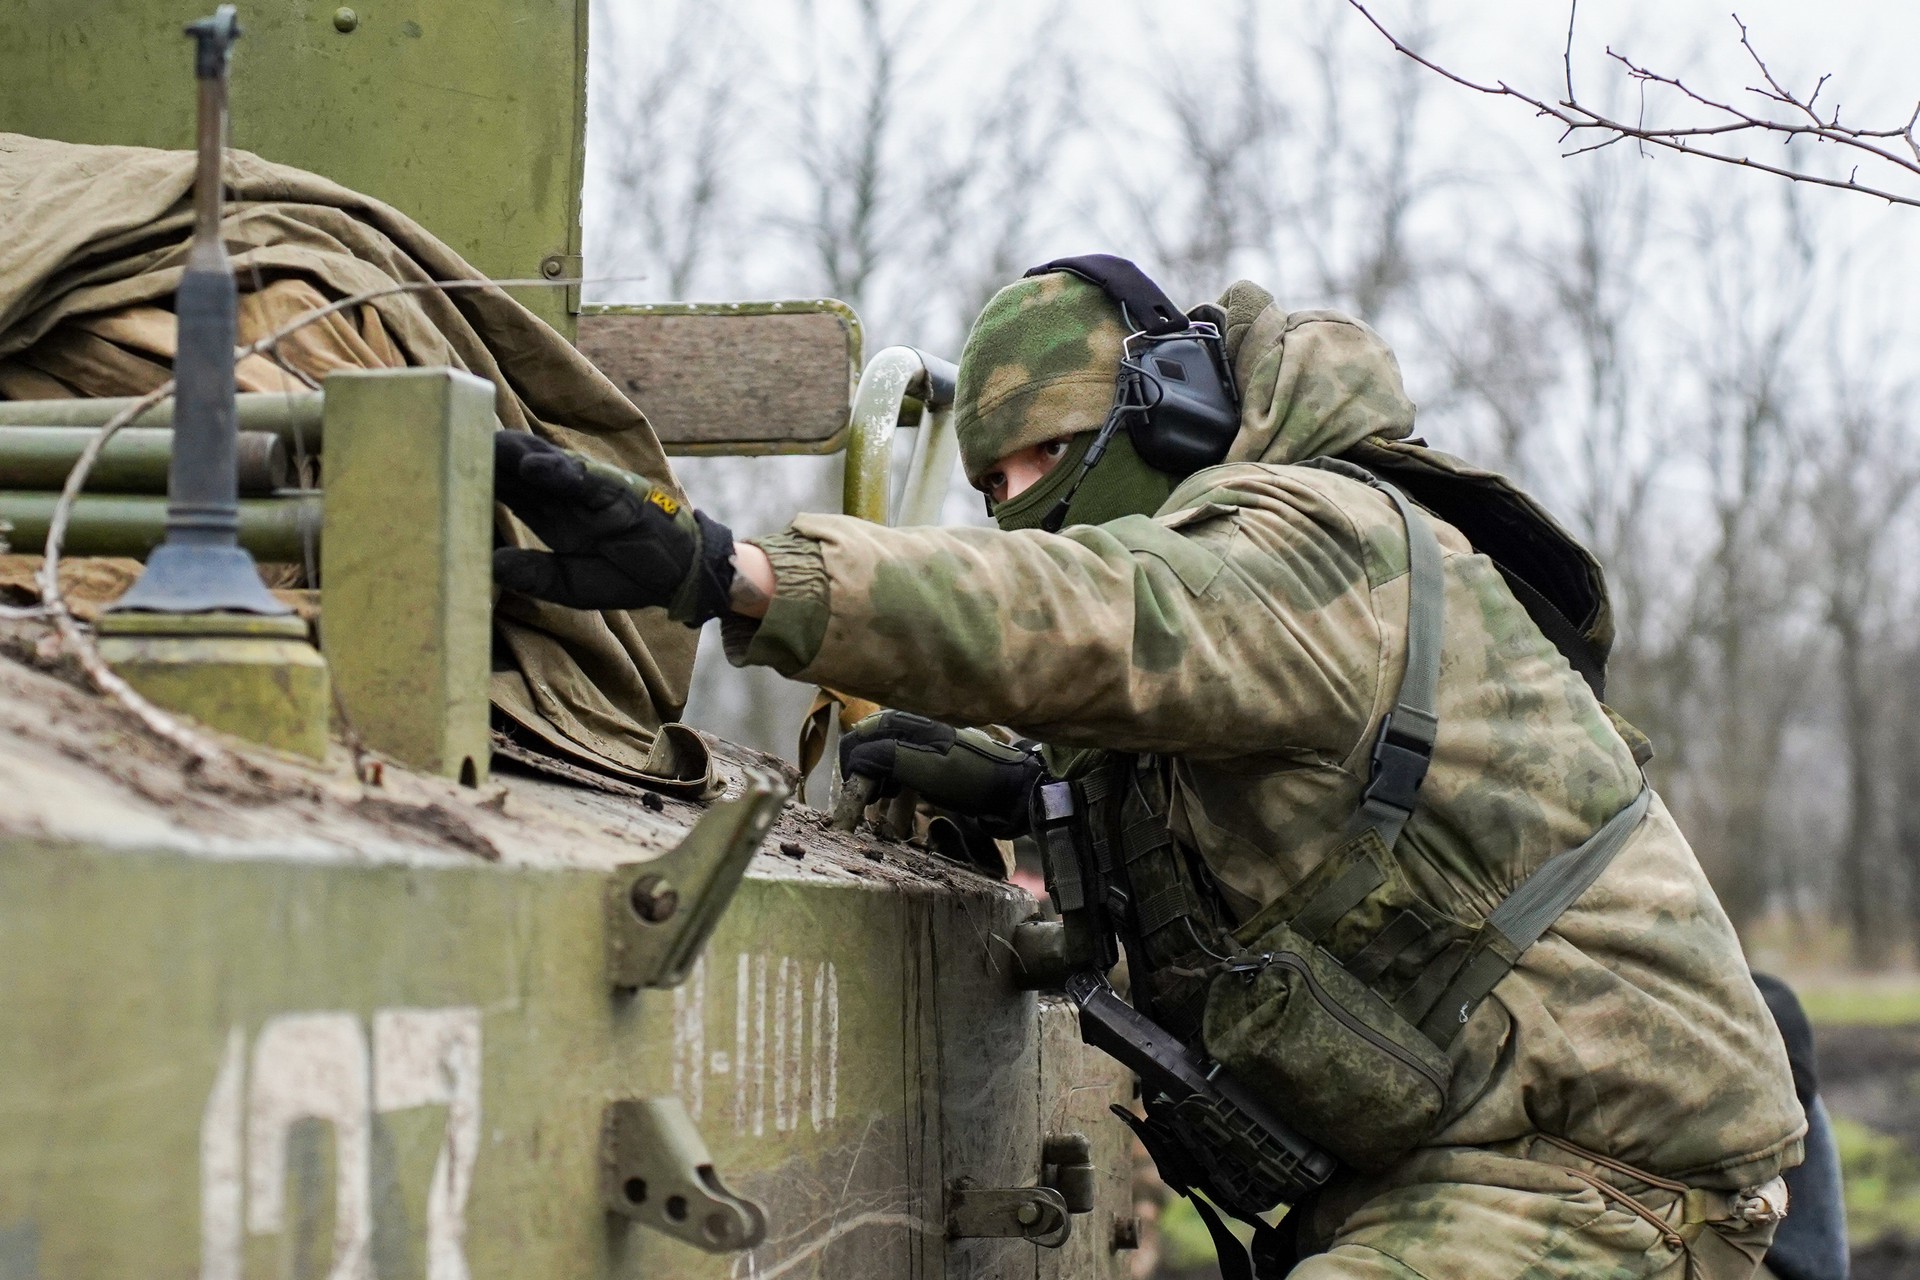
[92,243]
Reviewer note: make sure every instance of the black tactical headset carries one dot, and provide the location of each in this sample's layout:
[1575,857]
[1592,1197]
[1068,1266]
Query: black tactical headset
[1174,392]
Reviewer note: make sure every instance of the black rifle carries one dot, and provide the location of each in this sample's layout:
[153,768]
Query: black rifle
[1204,1129]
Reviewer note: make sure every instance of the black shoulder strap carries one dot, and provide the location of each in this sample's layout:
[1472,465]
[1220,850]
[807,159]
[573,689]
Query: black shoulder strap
[1560,633]
[1147,304]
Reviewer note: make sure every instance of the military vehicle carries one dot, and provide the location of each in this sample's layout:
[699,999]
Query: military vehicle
[428,1001]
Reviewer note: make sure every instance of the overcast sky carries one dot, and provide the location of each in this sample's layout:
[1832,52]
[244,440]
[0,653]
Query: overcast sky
[958,47]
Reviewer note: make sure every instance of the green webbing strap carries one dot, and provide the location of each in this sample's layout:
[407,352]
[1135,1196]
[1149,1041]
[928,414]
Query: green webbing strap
[1170,903]
[1401,932]
[1404,746]
[1340,896]
[1528,912]
[1418,1000]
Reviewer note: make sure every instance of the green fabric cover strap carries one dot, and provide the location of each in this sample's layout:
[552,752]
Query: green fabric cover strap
[1528,912]
[1404,746]
[1533,907]
[1401,932]
[1341,895]
[1420,998]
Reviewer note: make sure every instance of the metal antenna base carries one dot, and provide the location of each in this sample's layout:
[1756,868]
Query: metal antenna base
[184,578]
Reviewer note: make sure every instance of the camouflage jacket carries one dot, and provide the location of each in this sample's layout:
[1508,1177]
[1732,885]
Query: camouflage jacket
[1253,632]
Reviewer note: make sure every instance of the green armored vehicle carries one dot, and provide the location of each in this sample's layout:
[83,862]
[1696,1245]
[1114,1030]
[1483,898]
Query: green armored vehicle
[506,975]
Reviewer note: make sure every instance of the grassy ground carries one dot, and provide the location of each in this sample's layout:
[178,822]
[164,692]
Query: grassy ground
[1870,1080]
[1883,1182]
[1870,1002]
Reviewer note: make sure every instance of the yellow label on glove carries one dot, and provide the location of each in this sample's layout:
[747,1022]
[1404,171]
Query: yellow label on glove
[663,501]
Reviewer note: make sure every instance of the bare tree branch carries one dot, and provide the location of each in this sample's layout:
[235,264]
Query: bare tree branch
[1581,122]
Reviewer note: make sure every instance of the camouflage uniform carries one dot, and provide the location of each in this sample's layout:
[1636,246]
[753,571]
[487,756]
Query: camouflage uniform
[1625,1075]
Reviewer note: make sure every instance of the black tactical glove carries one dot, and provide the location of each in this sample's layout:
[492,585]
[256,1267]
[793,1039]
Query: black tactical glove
[964,770]
[618,542]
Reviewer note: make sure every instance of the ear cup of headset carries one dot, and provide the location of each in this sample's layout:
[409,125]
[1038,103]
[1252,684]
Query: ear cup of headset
[1176,387]
[1194,413]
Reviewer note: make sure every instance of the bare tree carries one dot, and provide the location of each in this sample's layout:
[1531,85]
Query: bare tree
[1777,114]
[1746,630]
[844,157]
[666,123]
[1266,167]
[990,195]
[1208,195]
[1863,481]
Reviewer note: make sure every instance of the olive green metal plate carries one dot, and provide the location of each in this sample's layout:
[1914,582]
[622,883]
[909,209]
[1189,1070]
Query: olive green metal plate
[732,377]
[271,1064]
[468,115]
[265,689]
[405,563]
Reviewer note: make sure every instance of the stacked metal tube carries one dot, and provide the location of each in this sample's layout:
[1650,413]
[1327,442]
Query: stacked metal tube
[123,511]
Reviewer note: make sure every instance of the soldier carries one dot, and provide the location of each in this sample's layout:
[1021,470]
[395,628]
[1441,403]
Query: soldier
[1329,733]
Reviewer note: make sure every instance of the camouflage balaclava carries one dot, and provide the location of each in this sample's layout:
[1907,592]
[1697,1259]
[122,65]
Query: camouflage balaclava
[1041,363]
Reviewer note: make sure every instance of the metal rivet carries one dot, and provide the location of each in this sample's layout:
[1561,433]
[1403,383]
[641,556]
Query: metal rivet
[551,266]
[653,899]
[345,19]
[1027,1214]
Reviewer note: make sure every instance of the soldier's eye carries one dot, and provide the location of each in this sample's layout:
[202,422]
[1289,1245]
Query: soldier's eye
[992,481]
[1053,449]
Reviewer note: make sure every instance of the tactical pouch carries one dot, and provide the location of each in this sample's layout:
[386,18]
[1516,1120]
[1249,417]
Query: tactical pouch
[1298,1026]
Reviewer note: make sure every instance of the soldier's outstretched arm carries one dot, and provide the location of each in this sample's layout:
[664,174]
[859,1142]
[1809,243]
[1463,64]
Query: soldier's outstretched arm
[1240,622]
[1223,629]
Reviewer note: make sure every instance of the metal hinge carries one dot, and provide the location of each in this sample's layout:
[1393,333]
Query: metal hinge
[660,913]
[1030,1213]
[654,1169]
[1042,1214]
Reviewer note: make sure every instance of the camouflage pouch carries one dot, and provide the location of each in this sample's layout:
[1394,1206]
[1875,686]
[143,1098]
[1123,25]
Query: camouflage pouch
[1300,1026]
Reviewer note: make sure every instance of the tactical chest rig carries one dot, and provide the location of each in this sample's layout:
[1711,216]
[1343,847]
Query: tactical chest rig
[1334,1005]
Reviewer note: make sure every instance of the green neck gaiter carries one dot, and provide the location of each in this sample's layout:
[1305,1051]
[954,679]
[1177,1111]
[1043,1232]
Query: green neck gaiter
[1120,484]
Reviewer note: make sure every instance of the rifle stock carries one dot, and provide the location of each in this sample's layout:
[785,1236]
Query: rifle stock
[1229,1142]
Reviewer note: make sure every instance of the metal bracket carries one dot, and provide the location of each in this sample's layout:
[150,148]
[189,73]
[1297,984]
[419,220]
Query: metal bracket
[1038,1214]
[660,913]
[1041,958]
[654,1169]
[566,266]
[1067,1166]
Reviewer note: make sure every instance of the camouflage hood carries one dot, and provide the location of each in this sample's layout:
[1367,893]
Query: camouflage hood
[1322,384]
[1312,383]
[1039,363]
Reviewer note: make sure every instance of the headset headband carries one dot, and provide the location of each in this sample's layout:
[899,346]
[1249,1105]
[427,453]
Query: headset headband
[1146,304]
[1194,410]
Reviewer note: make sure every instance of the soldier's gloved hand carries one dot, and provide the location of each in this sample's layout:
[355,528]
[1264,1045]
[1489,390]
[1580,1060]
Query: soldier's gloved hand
[965,770]
[618,541]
